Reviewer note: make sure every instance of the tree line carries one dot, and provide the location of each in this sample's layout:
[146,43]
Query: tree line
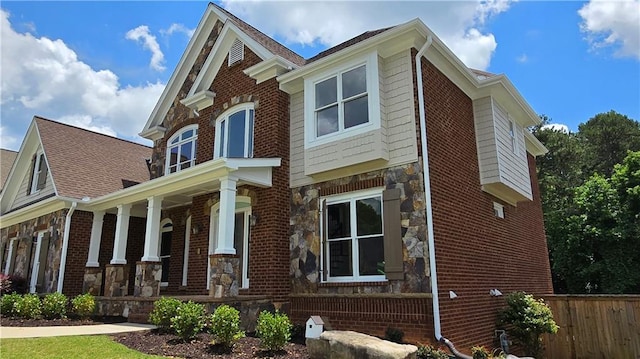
[590,188]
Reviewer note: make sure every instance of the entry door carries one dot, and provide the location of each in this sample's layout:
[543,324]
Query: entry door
[240,242]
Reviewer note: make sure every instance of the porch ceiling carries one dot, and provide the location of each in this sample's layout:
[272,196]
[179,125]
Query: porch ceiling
[179,188]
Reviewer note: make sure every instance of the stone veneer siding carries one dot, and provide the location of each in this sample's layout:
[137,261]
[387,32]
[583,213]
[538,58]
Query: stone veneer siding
[53,223]
[364,307]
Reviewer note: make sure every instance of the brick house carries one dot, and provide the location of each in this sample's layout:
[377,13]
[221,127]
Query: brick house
[380,183]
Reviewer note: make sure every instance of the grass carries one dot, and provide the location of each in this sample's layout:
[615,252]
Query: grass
[90,346]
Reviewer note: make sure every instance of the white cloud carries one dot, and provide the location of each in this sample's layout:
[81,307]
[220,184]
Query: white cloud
[613,23]
[44,77]
[149,42]
[178,28]
[458,24]
[557,127]
[522,58]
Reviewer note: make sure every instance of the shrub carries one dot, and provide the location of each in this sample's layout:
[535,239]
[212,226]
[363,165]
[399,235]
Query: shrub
[5,284]
[225,326]
[54,306]
[526,319]
[83,305]
[429,352]
[28,307]
[274,330]
[394,335]
[7,304]
[18,284]
[163,310]
[189,320]
[479,352]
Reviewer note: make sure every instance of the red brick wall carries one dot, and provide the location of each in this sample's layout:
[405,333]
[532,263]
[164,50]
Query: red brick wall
[475,251]
[77,252]
[269,242]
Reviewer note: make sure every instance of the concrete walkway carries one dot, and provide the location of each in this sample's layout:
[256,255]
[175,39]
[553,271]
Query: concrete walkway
[35,332]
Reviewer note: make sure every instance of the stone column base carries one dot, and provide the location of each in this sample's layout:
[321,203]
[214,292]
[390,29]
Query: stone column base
[148,276]
[225,275]
[92,282]
[116,281]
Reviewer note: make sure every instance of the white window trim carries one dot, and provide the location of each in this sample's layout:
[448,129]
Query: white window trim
[9,254]
[513,134]
[373,93]
[498,210]
[36,173]
[225,116]
[180,143]
[160,256]
[341,198]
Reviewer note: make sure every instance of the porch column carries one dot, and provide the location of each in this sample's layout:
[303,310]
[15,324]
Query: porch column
[226,217]
[92,281]
[152,233]
[96,237]
[122,231]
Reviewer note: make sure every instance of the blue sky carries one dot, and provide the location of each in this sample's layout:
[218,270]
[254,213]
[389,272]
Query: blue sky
[103,65]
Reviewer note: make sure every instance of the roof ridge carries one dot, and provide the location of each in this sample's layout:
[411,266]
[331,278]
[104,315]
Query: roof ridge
[348,43]
[37,117]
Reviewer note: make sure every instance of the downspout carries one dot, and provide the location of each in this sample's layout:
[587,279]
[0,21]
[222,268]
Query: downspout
[427,190]
[65,245]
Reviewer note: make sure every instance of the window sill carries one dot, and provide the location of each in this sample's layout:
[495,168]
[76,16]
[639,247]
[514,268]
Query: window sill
[353,284]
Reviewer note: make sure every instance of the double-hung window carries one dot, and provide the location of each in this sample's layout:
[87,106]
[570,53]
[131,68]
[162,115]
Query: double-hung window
[181,149]
[342,102]
[354,240]
[234,133]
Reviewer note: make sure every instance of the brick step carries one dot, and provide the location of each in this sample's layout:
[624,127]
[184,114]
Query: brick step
[138,317]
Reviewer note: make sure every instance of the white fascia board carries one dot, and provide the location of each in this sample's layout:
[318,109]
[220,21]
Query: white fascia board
[508,96]
[236,163]
[199,100]
[154,133]
[35,210]
[218,53]
[198,40]
[270,68]
[18,170]
[533,144]
[413,30]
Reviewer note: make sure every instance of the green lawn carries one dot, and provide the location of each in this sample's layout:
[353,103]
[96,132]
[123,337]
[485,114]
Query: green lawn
[94,346]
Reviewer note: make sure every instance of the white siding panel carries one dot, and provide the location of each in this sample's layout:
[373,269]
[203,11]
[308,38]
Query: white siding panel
[22,198]
[399,102]
[296,149]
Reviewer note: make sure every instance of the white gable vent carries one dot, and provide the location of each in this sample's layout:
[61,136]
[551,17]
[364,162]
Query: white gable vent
[236,53]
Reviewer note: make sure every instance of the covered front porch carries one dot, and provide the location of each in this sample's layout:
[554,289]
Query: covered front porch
[228,218]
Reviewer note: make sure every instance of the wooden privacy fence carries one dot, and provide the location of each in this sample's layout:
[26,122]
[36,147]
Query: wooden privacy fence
[594,326]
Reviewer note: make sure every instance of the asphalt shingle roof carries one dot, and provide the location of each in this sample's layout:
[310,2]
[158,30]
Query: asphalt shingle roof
[7,157]
[89,164]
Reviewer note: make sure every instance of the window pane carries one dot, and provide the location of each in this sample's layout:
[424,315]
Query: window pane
[185,152]
[223,134]
[354,82]
[340,263]
[327,120]
[339,224]
[371,256]
[369,213]
[174,156]
[236,135]
[326,92]
[175,140]
[165,270]
[187,134]
[238,232]
[250,149]
[165,245]
[356,112]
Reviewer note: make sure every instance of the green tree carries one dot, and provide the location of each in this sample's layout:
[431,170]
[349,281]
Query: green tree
[606,139]
[600,252]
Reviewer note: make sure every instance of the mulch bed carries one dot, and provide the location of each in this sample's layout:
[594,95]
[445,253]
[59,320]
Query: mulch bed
[156,343]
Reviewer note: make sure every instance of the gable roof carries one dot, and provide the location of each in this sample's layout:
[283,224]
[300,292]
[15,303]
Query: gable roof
[83,163]
[350,42]
[7,157]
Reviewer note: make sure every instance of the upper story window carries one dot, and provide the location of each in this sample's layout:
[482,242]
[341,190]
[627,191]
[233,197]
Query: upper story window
[181,149]
[342,102]
[234,133]
[354,238]
[39,174]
